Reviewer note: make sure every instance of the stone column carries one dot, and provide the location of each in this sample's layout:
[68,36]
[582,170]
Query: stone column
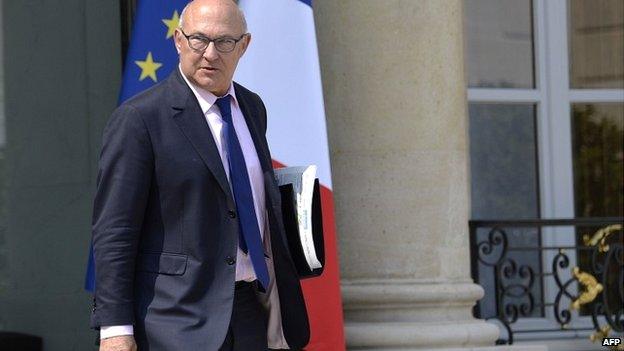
[395,94]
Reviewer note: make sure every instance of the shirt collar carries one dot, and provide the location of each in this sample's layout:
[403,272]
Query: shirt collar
[205,98]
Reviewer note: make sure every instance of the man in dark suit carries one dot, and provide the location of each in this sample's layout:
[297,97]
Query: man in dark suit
[189,245]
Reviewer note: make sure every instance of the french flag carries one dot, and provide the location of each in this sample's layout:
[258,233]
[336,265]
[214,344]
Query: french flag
[282,66]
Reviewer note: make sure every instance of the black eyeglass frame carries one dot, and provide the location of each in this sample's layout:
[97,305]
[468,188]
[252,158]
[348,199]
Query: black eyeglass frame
[207,40]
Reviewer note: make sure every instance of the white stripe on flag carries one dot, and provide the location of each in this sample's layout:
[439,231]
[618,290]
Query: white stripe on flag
[282,66]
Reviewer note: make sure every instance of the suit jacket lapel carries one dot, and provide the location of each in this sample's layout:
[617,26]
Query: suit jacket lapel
[190,119]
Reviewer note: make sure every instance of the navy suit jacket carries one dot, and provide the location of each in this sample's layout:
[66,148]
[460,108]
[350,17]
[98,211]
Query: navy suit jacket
[165,232]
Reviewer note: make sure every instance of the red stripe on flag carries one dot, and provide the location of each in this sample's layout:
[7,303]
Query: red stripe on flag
[322,294]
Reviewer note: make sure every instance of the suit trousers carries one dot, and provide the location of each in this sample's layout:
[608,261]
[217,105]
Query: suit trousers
[248,324]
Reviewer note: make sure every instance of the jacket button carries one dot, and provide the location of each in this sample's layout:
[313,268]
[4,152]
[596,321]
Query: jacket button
[232,214]
[230,260]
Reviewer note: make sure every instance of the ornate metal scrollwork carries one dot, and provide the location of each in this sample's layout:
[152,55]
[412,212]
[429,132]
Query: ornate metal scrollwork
[512,289]
[497,239]
[600,282]
[563,316]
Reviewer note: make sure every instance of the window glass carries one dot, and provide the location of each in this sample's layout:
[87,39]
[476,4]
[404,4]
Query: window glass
[596,43]
[499,43]
[504,185]
[503,158]
[597,139]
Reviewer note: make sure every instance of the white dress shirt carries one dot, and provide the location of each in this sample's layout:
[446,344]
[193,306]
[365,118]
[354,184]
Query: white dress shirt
[206,100]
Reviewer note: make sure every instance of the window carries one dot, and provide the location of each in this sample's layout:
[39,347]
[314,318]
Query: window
[546,110]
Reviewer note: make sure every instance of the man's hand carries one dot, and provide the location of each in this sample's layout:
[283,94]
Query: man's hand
[118,343]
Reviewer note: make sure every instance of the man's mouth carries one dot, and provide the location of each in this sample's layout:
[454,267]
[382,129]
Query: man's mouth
[208,69]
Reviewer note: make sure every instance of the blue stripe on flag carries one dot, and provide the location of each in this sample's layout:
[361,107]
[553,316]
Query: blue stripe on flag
[307,2]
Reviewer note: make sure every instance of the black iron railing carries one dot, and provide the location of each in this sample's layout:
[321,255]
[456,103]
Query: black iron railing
[527,272]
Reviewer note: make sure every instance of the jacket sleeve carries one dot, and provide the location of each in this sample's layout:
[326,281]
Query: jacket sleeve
[123,184]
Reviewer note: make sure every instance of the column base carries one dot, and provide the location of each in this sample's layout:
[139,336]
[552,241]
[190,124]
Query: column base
[402,315]
[418,336]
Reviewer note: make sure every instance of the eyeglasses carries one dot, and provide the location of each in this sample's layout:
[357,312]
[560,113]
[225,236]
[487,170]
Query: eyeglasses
[200,42]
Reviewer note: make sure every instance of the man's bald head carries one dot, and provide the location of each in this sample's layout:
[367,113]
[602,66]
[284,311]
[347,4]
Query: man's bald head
[194,8]
[212,37]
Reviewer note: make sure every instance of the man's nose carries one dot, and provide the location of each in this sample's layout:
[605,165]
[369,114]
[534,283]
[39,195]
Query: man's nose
[211,52]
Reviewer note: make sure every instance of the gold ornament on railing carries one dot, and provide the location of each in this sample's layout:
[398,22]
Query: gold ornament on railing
[600,237]
[600,334]
[593,288]
[591,285]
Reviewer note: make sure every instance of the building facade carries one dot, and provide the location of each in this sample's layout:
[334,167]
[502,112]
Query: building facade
[458,131]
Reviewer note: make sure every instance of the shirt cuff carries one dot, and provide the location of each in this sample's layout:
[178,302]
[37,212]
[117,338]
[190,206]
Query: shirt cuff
[116,330]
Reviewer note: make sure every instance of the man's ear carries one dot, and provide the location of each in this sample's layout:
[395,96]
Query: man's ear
[177,39]
[245,43]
